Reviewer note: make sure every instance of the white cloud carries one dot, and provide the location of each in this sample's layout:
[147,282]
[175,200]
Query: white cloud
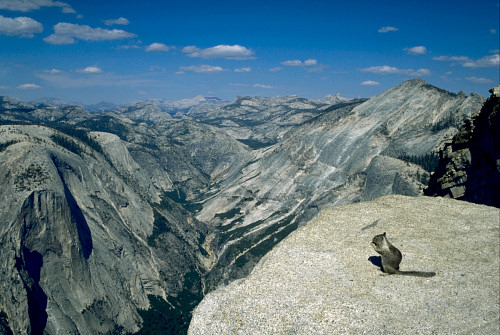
[52,71]
[387,29]
[90,70]
[19,26]
[201,69]
[157,47]
[262,86]
[311,65]
[295,62]
[120,21]
[128,47]
[276,69]
[243,69]
[29,5]
[317,69]
[418,73]
[292,63]
[385,69]
[370,83]
[480,80]
[234,52]
[310,62]
[29,87]
[452,58]
[66,33]
[254,85]
[156,68]
[486,61]
[190,49]
[419,50]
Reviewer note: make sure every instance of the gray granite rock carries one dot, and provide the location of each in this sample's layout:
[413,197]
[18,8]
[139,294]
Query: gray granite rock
[323,278]
[469,167]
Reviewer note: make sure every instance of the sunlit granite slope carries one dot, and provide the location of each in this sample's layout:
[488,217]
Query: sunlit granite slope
[325,277]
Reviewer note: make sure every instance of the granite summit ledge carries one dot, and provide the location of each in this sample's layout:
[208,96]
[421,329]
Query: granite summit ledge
[320,279]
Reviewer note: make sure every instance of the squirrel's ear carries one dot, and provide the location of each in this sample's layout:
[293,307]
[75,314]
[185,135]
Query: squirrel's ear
[383,233]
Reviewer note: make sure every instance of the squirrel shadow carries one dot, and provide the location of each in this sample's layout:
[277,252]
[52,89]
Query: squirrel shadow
[377,261]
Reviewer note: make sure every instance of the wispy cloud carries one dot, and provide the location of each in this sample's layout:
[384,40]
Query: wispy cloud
[120,21]
[276,69]
[387,29]
[52,71]
[419,50]
[262,86]
[156,68]
[311,65]
[385,69]
[29,5]
[29,87]
[201,69]
[486,61]
[243,69]
[128,47]
[157,47]
[67,33]
[75,79]
[233,52]
[480,80]
[307,62]
[90,70]
[452,58]
[370,83]
[19,26]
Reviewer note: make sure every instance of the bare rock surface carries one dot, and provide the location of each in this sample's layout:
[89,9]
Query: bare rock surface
[324,279]
[469,168]
[116,221]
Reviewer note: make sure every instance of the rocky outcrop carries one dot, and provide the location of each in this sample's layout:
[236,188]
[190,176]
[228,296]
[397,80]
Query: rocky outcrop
[469,167]
[388,175]
[325,278]
[348,153]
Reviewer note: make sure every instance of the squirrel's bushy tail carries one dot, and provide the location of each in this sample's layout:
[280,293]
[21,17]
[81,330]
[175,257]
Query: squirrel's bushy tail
[417,273]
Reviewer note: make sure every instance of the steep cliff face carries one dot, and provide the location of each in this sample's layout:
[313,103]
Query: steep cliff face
[469,168]
[82,233]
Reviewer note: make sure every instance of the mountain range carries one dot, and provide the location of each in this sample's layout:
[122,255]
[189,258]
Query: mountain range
[120,221]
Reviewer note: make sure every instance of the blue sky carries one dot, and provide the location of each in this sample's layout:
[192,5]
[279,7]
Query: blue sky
[122,51]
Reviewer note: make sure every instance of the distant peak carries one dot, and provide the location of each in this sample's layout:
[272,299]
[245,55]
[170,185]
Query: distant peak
[334,98]
[415,82]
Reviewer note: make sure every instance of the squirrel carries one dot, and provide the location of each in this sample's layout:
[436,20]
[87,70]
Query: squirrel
[391,257]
